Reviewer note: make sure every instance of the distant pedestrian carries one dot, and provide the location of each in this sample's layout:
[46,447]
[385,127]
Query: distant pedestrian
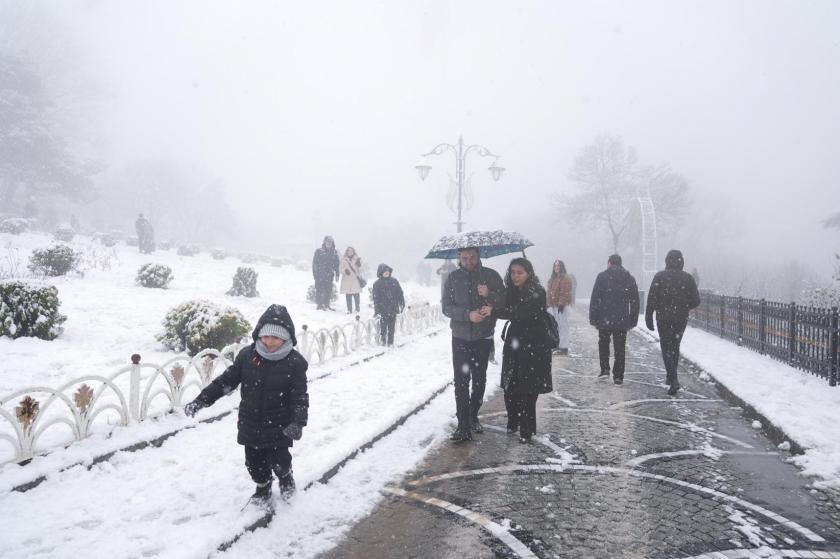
[424,273]
[470,294]
[145,234]
[673,293]
[388,302]
[559,299]
[351,279]
[613,310]
[443,271]
[275,403]
[526,357]
[325,272]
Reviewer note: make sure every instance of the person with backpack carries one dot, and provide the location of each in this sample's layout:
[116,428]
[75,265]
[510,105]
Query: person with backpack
[526,356]
[388,302]
[613,310]
[275,403]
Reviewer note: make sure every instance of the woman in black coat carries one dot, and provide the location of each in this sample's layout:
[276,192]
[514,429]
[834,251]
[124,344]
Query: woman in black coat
[271,377]
[526,361]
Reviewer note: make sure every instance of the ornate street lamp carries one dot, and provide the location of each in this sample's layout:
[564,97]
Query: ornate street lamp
[460,151]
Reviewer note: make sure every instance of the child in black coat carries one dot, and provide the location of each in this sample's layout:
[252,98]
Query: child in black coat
[388,302]
[275,403]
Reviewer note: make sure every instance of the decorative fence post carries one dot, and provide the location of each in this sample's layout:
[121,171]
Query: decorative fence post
[708,312]
[792,334]
[740,318]
[722,315]
[134,388]
[762,326]
[835,346]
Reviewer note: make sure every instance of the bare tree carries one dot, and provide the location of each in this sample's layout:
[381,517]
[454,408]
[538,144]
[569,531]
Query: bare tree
[608,180]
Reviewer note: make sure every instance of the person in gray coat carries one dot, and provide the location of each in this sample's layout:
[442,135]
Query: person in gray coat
[470,294]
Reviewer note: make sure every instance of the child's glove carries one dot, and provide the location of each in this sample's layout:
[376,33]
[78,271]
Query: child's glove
[192,408]
[293,431]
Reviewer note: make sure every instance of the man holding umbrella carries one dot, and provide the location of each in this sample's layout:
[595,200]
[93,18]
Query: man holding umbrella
[469,295]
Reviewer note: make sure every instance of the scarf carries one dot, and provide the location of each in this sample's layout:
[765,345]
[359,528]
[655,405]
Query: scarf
[284,351]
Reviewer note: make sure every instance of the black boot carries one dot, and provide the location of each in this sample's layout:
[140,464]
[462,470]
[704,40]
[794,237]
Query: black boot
[461,435]
[476,426]
[286,483]
[262,495]
[675,386]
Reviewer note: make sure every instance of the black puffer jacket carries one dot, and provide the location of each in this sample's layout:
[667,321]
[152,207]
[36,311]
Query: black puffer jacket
[388,299]
[526,361]
[673,292]
[273,392]
[325,262]
[614,305]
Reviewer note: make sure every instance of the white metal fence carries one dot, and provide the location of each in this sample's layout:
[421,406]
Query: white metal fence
[31,418]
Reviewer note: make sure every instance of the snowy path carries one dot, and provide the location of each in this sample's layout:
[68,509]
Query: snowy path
[184,499]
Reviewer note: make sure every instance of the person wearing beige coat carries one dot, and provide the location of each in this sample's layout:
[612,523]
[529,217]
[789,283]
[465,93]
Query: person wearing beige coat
[558,300]
[350,270]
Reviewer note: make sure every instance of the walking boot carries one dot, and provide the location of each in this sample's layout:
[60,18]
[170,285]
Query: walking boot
[460,435]
[604,374]
[476,426]
[675,386]
[618,380]
[262,495]
[286,484]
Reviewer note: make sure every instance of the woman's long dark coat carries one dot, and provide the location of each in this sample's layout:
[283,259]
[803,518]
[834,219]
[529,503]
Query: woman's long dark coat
[526,358]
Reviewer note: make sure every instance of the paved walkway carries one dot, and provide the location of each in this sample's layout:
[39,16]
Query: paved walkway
[617,472]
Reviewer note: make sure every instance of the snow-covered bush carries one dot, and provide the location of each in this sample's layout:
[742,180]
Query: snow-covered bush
[164,245]
[14,225]
[200,324]
[132,241]
[107,239]
[64,233]
[244,283]
[187,250]
[29,310]
[219,254]
[310,294]
[154,275]
[54,261]
[277,262]
[248,258]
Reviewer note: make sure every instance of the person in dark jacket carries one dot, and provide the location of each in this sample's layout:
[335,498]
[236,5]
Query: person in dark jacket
[613,310]
[673,293]
[275,404]
[470,294]
[526,357]
[388,302]
[325,272]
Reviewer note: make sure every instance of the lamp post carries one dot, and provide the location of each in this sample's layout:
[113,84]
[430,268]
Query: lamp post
[461,151]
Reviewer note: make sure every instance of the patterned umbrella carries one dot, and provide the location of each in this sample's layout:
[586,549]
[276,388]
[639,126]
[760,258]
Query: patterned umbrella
[489,244]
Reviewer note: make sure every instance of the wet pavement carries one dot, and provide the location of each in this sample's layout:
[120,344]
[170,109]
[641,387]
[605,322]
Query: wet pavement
[615,472]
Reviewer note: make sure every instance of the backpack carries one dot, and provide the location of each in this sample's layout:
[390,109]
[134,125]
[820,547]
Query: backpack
[552,334]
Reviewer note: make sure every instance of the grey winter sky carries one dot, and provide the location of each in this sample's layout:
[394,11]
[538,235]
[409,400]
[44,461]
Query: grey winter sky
[313,114]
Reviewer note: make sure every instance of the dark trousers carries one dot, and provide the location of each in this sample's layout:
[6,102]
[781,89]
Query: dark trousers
[469,364]
[670,336]
[386,329]
[323,290]
[262,461]
[619,339]
[521,412]
[350,298]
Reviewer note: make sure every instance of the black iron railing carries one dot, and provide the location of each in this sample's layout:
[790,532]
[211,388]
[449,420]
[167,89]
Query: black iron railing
[803,337]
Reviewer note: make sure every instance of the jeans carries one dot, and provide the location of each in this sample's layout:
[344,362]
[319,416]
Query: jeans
[386,329]
[350,298]
[469,364]
[619,339]
[260,462]
[670,336]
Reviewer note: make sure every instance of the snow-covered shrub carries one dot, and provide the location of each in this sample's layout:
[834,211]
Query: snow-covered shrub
[244,283]
[248,258]
[154,275]
[219,254]
[132,241]
[29,310]
[64,233]
[200,324]
[107,239]
[164,245]
[277,262]
[54,261]
[310,294]
[14,225]
[187,250]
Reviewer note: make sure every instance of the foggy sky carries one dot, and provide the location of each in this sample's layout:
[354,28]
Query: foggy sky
[314,114]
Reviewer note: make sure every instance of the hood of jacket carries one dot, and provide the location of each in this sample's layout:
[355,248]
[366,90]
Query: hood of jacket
[674,260]
[276,314]
[329,240]
[382,268]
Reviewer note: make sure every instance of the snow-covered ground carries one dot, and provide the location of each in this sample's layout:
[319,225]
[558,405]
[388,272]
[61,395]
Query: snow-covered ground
[109,317]
[802,405]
